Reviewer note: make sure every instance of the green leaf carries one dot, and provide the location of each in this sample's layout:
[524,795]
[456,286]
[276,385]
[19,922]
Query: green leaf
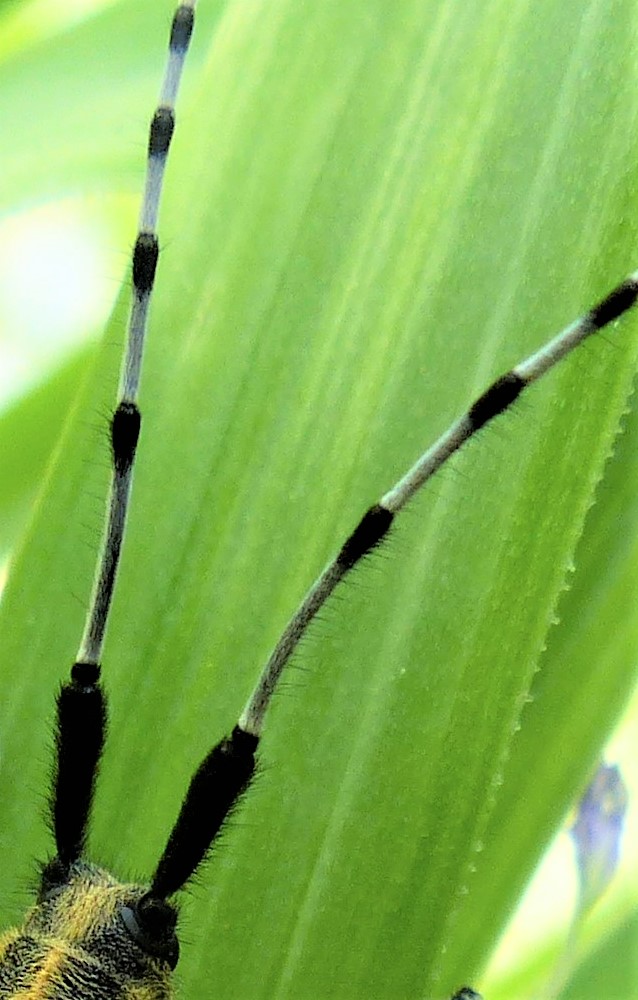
[29,431]
[603,974]
[373,210]
[76,96]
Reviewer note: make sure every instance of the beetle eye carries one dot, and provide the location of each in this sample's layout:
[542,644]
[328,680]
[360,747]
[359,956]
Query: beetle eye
[54,876]
[151,923]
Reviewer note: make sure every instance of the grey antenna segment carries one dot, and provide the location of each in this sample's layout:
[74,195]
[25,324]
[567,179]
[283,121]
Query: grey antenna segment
[126,421]
[376,522]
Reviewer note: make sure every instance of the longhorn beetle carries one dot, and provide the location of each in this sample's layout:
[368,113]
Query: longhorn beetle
[141,920]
